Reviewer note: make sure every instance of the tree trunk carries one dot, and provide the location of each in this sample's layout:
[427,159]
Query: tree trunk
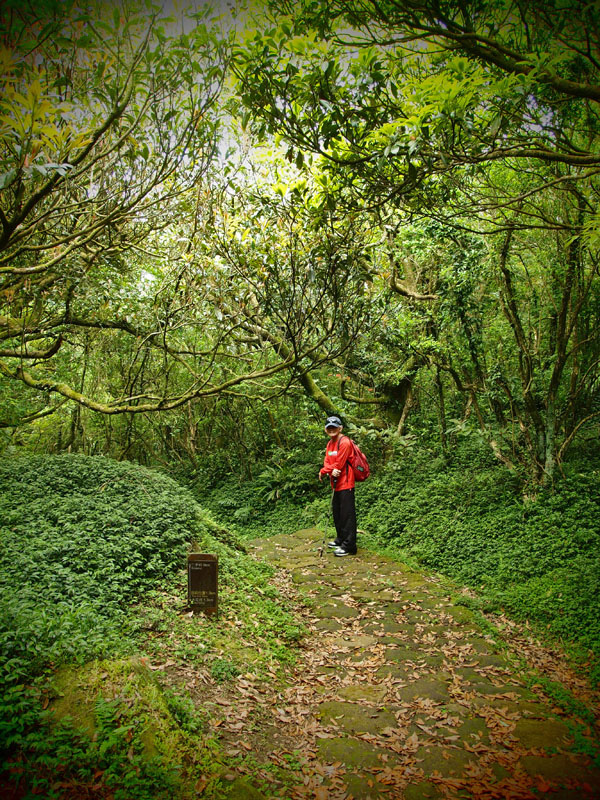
[441,411]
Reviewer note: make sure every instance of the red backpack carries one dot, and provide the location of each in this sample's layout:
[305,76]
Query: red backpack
[358,462]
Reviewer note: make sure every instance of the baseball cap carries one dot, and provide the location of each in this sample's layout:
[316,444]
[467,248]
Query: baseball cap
[333,422]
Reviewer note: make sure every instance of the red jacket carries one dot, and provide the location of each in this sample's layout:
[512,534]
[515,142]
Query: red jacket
[336,457]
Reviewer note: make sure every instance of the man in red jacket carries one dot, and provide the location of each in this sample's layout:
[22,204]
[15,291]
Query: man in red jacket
[342,482]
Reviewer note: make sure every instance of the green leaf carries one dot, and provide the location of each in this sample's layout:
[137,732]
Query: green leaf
[7,178]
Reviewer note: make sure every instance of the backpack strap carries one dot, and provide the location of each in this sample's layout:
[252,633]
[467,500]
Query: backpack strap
[347,462]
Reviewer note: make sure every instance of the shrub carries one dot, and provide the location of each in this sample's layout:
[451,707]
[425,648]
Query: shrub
[82,537]
[539,558]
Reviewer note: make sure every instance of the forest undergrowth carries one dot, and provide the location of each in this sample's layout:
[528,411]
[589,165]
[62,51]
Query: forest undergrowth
[93,598]
[93,592]
[533,554]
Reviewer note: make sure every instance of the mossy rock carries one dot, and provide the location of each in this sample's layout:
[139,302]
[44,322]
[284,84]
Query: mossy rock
[430,687]
[364,787]
[326,591]
[262,545]
[474,730]
[456,709]
[337,567]
[392,670]
[351,752]
[427,600]
[363,692]
[306,561]
[485,686]
[327,625]
[355,641]
[439,631]
[534,733]
[72,698]
[483,646]
[462,615]
[302,576]
[77,689]
[561,769]
[470,675]
[335,611]
[491,660]
[445,760]
[335,672]
[372,595]
[354,718]
[499,771]
[285,540]
[422,791]
[379,566]
[433,660]
[400,655]
[385,625]
[411,580]
[417,616]
[310,534]
[525,708]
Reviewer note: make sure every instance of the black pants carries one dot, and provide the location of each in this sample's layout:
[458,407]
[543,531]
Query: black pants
[344,518]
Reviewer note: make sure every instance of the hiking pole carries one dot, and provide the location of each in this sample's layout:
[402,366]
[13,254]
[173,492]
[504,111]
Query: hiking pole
[322,547]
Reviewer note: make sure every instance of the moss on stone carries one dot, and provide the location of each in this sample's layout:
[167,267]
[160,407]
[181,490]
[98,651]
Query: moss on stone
[561,769]
[462,615]
[359,692]
[310,534]
[412,580]
[72,698]
[474,730]
[392,670]
[417,616]
[364,787]
[401,654]
[77,689]
[335,611]
[373,595]
[470,675]
[535,733]
[354,718]
[425,790]
[391,626]
[499,771]
[327,625]
[351,752]
[445,760]
[300,576]
[354,641]
[431,687]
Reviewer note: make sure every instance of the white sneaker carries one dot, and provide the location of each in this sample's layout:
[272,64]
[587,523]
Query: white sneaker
[341,551]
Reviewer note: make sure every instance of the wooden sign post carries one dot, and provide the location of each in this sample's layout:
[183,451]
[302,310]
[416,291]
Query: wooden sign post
[203,582]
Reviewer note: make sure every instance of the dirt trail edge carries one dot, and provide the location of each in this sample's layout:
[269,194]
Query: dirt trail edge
[400,694]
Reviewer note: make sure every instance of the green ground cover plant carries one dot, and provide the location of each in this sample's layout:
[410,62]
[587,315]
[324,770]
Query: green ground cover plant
[91,573]
[250,513]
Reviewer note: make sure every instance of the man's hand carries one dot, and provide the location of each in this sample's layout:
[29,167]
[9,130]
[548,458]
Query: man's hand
[320,476]
[336,473]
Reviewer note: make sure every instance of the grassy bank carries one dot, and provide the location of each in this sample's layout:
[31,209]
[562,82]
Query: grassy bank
[93,590]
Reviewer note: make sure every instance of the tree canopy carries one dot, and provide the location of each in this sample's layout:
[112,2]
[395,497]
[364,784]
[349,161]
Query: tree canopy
[400,194]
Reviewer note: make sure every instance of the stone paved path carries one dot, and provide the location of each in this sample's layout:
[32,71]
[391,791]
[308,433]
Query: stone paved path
[400,693]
